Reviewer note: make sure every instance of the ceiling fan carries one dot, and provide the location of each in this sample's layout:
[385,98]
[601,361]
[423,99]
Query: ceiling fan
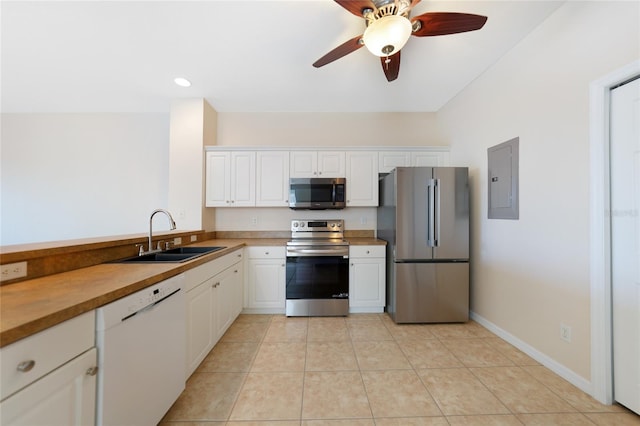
[388,27]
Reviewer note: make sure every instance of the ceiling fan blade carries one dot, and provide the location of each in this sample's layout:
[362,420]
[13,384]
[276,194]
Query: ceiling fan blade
[340,51]
[442,23]
[391,66]
[356,6]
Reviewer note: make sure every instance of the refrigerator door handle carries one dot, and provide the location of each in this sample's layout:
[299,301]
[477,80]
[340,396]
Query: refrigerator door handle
[431,212]
[436,212]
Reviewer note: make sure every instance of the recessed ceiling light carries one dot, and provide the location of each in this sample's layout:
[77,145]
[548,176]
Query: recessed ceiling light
[181,81]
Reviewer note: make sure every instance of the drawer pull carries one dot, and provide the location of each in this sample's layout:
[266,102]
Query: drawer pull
[26,366]
[92,371]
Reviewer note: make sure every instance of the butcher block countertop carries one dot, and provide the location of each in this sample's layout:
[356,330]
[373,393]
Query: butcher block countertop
[34,305]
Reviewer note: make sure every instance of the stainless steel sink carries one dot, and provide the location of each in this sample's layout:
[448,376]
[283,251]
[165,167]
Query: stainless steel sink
[176,255]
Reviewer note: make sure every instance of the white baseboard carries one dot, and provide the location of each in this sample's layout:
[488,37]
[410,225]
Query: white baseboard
[562,371]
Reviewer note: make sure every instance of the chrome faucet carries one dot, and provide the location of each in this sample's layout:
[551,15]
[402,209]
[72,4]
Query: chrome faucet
[172,223]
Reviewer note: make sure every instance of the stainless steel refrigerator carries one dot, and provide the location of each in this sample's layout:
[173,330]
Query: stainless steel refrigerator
[423,215]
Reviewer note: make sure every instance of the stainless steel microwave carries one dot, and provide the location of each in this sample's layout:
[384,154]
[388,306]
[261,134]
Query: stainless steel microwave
[317,193]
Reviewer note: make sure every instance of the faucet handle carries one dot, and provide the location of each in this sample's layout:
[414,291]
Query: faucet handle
[167,245]
[140,249]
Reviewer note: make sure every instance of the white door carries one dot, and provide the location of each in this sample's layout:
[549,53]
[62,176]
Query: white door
[625,242]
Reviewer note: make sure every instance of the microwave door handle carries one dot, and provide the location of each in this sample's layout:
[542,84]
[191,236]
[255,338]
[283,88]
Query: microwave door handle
[333,194]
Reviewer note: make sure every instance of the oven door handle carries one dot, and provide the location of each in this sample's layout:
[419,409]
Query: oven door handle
[302,252]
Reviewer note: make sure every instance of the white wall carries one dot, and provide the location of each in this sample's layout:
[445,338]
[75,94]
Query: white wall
[67,176]
[329,129]
[193,125]
[532,274]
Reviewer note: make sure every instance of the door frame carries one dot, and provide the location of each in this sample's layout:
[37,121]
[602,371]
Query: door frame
[600,230]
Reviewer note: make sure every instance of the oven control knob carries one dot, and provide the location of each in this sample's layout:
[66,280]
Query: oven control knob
[333,225]
[294,224]
[301,224]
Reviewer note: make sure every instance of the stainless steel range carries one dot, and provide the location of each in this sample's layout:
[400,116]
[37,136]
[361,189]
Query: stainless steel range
[317,269]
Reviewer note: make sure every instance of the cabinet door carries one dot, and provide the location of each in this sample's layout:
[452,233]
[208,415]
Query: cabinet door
[218,179]
[367,284]
[226,298]
[272,182]
[243,179]
[67,396]
[200,324]
[266,283]
[362,178]
[389,160]
[331,164]
[304,164]
[429,159]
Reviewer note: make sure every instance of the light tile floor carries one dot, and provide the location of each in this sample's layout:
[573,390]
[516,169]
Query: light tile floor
[365,370]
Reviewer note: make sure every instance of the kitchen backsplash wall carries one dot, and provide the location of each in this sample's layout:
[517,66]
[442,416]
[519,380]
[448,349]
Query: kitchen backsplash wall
[279,219]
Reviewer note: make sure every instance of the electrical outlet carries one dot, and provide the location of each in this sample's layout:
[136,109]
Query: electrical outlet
[177,241]
[11,271]
[565,332]
[194,238]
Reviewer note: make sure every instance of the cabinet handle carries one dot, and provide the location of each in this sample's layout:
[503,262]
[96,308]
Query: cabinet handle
[26,366]
[266,253]
[352,264]
[235,272]
[239,255]
[216,285]
[368,252]
[92,371]
[282,265]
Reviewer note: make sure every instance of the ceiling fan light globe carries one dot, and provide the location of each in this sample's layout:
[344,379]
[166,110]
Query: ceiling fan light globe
[387,35]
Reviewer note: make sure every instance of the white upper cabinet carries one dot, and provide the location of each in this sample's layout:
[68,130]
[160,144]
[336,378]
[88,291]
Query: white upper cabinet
[231,179]
[429,159]
[307,164]
[272,179]
[362,178]
[389,160]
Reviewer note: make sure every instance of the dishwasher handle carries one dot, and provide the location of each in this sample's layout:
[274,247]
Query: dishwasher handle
[150,306]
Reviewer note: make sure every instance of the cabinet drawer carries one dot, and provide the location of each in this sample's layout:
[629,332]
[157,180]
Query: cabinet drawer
[266,252]
[367,251]
[45,351]
[199,274]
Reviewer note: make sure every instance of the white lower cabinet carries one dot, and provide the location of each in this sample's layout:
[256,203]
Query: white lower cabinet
[367,285]
[214,301]
[50,377]
[266,271]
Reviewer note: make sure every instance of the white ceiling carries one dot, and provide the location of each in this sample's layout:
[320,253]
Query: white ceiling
[249,56]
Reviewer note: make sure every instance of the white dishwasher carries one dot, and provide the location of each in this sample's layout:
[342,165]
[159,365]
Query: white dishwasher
[141,355]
